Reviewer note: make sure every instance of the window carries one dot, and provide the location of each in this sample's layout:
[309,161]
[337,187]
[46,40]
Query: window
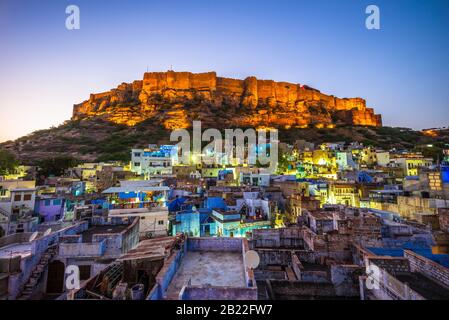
[136,154]
[27,197]
[57,202]
[136,164]
[160,222]
[47,203]
[17,197]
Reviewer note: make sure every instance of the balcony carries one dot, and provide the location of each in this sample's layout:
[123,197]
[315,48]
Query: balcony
[150,205]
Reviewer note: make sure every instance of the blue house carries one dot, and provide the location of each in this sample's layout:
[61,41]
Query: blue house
[49,208]
[196,223]
[213,220]
[231,223]
[215,203]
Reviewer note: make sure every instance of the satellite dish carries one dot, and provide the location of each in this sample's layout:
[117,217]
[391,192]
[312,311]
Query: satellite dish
[252,259]
[47,232]
[33,236]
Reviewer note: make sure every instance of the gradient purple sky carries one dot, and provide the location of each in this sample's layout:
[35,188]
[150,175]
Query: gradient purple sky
[401,70]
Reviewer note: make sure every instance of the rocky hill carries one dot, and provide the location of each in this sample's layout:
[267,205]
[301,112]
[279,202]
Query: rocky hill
[95,139]
[107,125]
[175,99]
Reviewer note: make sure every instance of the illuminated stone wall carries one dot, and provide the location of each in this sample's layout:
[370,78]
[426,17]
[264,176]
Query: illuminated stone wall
[249,102]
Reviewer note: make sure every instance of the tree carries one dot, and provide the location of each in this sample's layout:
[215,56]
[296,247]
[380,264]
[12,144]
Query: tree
[56,166]
[431,151]
[8,162]
[283,162]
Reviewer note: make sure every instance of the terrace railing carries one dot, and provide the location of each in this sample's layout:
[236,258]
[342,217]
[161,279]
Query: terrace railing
[137,205]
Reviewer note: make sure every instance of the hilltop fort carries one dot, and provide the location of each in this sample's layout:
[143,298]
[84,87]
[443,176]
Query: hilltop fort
[175,99]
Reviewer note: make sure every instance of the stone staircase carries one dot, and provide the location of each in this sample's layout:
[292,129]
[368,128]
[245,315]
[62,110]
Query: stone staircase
[4,213]
[37,273]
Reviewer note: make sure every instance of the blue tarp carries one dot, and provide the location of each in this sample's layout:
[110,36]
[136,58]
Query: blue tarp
[364,177]
[175,205]
[103,202]
[215,203]
[445,173]
[442,259]
[129,195]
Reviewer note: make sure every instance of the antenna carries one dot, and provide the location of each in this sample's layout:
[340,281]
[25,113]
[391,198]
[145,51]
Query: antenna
[33,236]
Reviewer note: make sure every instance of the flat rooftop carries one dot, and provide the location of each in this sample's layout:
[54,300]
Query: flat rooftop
[322,215]
[13,250]
[132,188]
[424,286]
[106,229]
[157,248]
[220,269]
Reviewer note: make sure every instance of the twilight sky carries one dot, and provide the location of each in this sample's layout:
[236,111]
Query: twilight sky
[401,70]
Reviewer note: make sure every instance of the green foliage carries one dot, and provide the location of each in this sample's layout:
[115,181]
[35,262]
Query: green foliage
[434,151]
[8,162]
[117,143]
[369,143]
[56,166]
[283,162]
[81,140]
[117,156]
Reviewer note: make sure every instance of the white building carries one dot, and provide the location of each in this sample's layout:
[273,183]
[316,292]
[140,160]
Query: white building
[383,158]
[153,160]
[17,210]
[255,179]
[345,160]
[153,222]
[143,199]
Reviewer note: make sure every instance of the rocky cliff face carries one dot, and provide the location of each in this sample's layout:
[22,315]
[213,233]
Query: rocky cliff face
[175,99]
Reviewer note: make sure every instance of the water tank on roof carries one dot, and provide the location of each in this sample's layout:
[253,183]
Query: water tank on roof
[137,292]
